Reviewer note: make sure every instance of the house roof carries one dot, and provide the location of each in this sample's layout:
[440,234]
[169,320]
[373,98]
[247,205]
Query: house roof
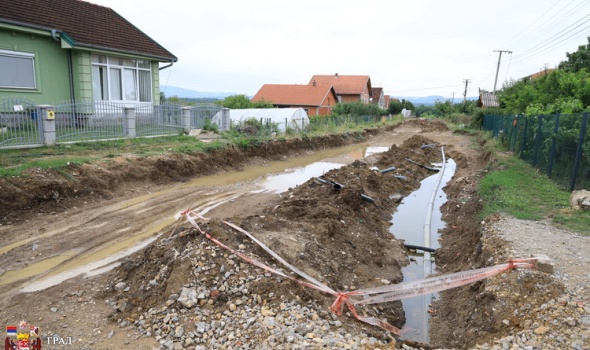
[534,76]
[488,99]
[387,100]
[345,84]
[88,25]
[294,95]
[377,93]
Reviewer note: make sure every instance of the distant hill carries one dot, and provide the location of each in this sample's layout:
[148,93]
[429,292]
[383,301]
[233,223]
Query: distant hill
[170,91]
[430,100]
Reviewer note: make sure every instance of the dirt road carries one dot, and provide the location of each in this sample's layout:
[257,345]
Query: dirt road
[83,224]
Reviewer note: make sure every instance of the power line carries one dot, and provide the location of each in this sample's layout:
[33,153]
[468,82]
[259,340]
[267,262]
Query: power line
[535,21]
[557,35]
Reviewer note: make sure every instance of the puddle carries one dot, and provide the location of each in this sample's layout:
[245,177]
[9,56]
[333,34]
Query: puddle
[91,268]
[408,225]
[296,176]
[34,269]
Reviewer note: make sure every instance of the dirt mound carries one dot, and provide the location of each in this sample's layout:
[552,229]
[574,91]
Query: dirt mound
[55,191]
[339,236]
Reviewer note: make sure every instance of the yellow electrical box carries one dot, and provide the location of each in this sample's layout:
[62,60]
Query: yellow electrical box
[50,115]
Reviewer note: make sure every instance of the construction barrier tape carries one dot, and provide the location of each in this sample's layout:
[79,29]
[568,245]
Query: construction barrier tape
[375,295]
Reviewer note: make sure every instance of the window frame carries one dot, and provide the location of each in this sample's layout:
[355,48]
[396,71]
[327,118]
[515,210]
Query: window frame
[123,66]
[25,56]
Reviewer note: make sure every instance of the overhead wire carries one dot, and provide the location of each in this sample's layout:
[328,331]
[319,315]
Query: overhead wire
[530,25]
[547,26]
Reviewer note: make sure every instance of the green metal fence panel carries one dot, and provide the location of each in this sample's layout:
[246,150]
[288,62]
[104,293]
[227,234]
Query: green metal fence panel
[557,145]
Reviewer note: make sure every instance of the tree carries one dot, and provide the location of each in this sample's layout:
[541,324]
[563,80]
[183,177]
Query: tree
[578,60]
[262,103]
[396,106]
[358,109]
[236,102]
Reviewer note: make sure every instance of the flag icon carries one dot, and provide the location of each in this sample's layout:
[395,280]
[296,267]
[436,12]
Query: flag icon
[10,330]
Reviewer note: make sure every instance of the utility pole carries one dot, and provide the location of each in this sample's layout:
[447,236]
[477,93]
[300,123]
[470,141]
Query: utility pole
[498,68]
[466,81]
[453,100]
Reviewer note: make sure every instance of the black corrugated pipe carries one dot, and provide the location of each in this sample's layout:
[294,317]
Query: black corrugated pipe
[436,170]
[384,171]
[335,185]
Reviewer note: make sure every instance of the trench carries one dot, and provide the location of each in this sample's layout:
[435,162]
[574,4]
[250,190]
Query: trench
[408,223]
[273,177]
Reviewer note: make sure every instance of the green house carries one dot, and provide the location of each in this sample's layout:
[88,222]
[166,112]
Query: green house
[62,50]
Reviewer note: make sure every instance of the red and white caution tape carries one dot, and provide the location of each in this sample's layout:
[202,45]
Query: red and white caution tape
[375,295]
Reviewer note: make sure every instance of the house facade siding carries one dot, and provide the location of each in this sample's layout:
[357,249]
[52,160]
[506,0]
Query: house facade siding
[51,68]
[50,65]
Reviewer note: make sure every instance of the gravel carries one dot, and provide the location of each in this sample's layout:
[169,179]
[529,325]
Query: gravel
[562,322]
[247,320]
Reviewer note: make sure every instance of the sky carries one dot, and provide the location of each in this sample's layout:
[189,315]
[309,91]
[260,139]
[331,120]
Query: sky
[410,48]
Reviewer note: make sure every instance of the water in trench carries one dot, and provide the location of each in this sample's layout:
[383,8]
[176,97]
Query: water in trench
[408,223]
[286,174]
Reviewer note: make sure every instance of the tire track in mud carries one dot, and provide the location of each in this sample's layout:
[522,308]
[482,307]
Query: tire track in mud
[94,236]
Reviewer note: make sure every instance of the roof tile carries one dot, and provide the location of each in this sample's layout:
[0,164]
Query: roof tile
[89,25]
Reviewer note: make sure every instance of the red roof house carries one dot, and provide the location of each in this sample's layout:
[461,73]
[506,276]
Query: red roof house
[348,88]
[316,99]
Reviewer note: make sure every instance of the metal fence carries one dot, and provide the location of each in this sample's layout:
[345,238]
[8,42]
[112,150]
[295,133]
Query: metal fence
[559,145]
[19,123]
[164,119]
[88,120]
[84,120]
[203,114]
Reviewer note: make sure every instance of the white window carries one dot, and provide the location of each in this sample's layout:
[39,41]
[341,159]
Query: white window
[17,70]
[121,79]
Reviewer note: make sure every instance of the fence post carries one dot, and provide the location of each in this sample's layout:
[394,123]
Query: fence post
[129,122]
[538,140]
[186,119]
[579,152]
[526,124]
[48,122]
[225,120]
[553,144]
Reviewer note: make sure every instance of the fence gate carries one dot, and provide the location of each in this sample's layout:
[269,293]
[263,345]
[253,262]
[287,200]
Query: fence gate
[20,124]
[202,115]
[83,120]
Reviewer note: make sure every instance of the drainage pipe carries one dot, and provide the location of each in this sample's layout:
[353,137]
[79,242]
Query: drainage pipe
[428,221]
[335,185]
[385,171]
[427,239]
[423,166]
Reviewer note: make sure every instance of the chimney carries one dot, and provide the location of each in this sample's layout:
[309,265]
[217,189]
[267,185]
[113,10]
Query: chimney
[336,75]
[314,83]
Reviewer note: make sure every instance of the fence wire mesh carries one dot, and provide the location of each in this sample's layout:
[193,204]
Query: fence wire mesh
[558,145]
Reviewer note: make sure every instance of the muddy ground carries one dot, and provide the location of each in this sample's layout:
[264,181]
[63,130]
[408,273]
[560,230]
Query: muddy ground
[333,235]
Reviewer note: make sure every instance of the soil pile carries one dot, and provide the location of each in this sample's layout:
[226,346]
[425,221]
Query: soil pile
[334,235]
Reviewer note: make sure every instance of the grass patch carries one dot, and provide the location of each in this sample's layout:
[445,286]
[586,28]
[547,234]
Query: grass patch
[518,189]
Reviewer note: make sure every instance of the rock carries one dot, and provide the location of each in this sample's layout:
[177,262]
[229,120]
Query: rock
[120,286]
[541,330]
[544,263]
[580,199]
[188,298]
